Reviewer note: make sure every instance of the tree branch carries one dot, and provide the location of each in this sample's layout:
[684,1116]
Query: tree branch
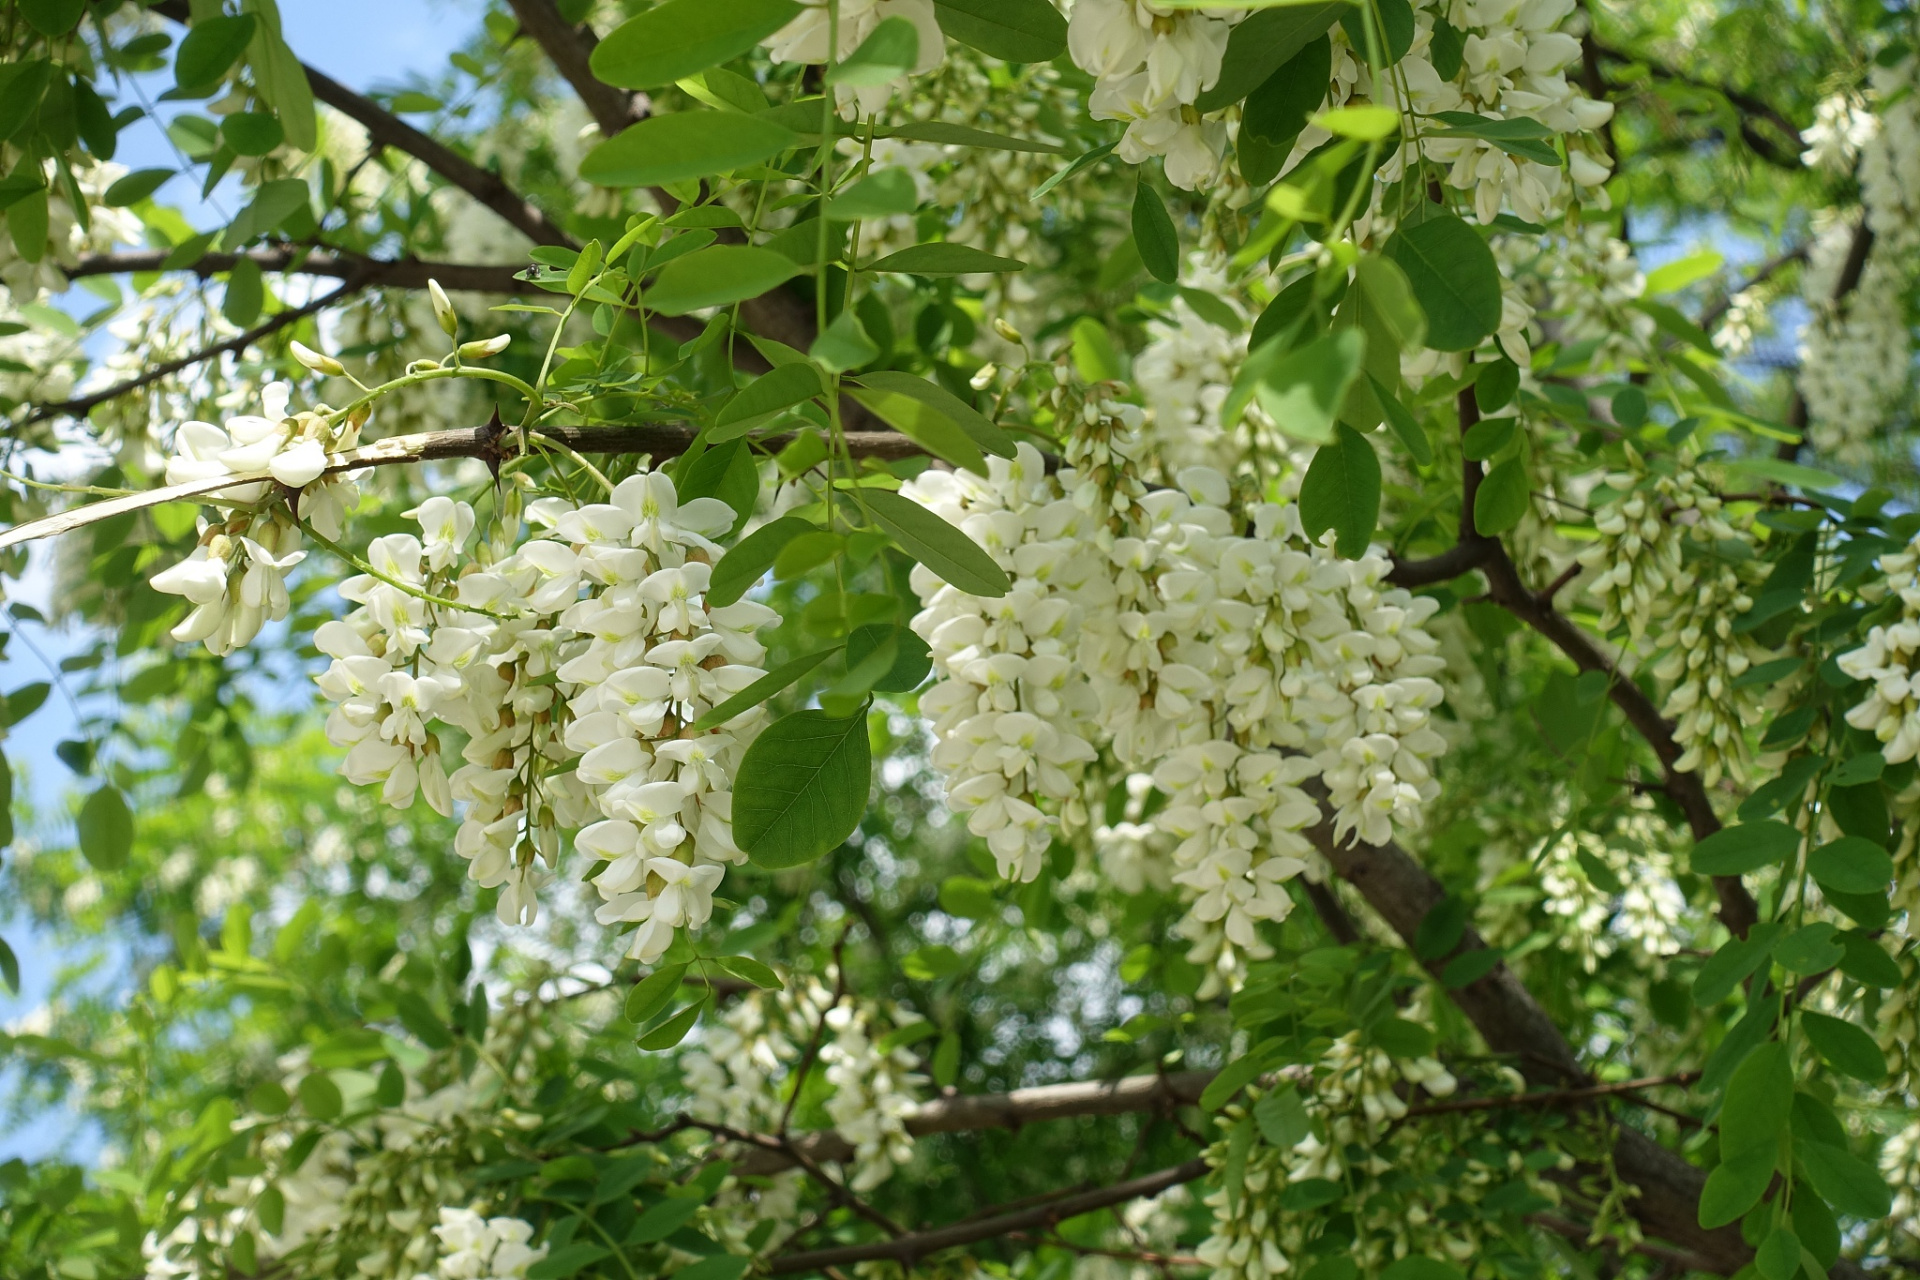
[965,1113]
[387,129]
[401,273]
[491,444]
[910,1249]
[1751,106]
[569,47]
[80,406]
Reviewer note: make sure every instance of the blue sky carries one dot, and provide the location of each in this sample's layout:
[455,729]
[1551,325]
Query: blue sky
[365,44]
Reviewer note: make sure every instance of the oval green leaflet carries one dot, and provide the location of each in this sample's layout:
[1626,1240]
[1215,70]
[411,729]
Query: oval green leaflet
[802,788]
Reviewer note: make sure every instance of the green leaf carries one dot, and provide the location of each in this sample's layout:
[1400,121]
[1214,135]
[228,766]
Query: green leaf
[911,662]
[1861,768]
[762,689]
[673,1030]
[1011,30]
[22,86]
[1851,865]
[802,788]
[1731,964]
[934,961]
[210,49]
[1758,1104]
[1810,949]
[1265,42]
[1454,278]
[1502,499]
[968,898]
[1517,136]
[949,553]
[747,969]
[1734,851]
[1342,492]
[652,993]
[1154,235]
[1085,160]
[27,224]
[884,193]
[721,1266]
[761,399]
[682,146]
[1304,389]
[245,294]
[281,81]
[1779,471]
[753,555]
[1734,1187]
[1282,1117]
[717,276]
[417,1016]
[1849,1184]
[844,344]
[978,427]
[960,135]
[1233,1077]
[135,187]
[320,1096]
[1278,108]
[1867,961]
[727,473]
[890,51]
[1418,1267]
[272,205]
[251,133]
[1469,967]
[9,967]
[945,260]
[946,1060]
[106,829]
[1488,437]
[1402,1038]
[569,1261]
[1845,1047]
[1404,425]
[920,422]
[681,37]
[52,17]
[1674,276]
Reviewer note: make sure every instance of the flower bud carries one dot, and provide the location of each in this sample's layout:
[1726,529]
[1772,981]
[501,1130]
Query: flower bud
[315,361]
[1007,331]
[484,348]
[983,377]
[442,308]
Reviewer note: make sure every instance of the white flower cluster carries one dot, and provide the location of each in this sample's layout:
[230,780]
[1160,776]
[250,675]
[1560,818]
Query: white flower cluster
[1593,281]
[1152,63]
[477,1248]
[1644,913]
[236,577]
[1354,1105]
[1841,126]
[1662,572]
[1231,668]
[1890,662]
[31,274]
[576,664]
[1855,351]
[805,40]
[737,1070]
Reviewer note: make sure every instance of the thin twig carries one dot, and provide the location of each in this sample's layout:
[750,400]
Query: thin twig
[910,1249]
[819,1033]
[80,406]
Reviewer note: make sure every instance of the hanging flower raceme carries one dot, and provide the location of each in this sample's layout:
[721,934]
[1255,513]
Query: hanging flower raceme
[847,25]
[1232,670]
[1889,661]
[236,577]
[577,664]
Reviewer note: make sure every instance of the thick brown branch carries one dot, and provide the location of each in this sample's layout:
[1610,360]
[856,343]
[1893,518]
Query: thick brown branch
[1549,1097]
[909,1250]
[963,1112]
[569,47]
[1462,557]
[403,273]
[80,406]
[1513,1023]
